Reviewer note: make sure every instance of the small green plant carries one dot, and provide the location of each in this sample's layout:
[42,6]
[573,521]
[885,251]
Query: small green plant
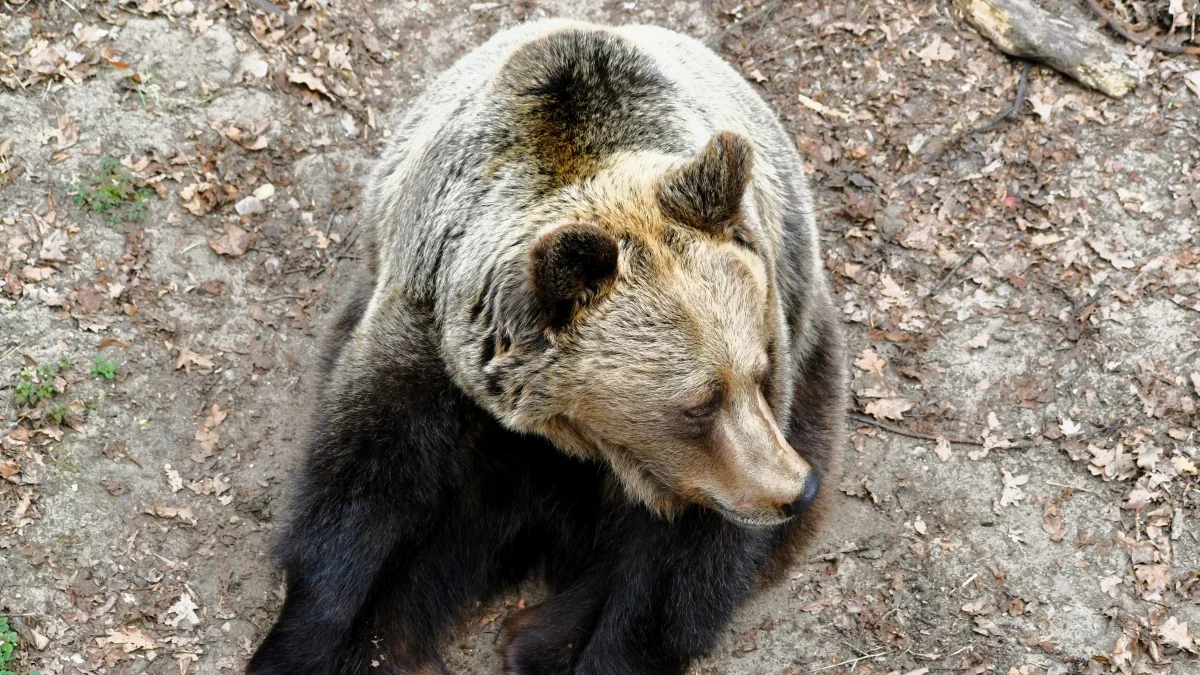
[58,412]
[8,644]
[102,367]
[111,193]
[37,384]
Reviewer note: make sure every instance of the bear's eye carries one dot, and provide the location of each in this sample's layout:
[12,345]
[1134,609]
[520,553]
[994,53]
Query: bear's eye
[741,238]
[707,409]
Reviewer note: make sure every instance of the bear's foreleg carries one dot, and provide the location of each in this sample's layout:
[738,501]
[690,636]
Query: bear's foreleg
[658,595]
[388,465]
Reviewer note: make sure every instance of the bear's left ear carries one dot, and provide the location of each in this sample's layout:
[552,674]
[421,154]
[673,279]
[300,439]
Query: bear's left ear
[568,265]
[706,193]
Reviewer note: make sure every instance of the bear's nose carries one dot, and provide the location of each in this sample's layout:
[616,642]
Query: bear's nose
[808,495]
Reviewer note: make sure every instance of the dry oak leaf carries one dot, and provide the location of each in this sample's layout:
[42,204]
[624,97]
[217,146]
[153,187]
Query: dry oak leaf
[889,408]
[235,242]
[188,358]
[309,80]
[871,362]
[1139,499]
[1175,633]
[979,607]
[172,512]
[129,638]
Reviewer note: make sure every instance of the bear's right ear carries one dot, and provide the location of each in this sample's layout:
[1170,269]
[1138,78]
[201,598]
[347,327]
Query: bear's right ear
[706,193]
[568,266]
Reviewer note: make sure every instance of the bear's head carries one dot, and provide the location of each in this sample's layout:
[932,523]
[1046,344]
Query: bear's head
[650,289]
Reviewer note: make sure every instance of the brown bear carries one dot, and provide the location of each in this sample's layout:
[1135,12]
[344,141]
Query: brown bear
[597,344]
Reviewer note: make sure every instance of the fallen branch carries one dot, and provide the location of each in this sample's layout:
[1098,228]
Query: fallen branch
[1024,30]
[849,662]
[871,421]
[1124,32]
[863,419]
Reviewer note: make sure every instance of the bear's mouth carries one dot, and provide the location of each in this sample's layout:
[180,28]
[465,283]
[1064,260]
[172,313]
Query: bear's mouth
[758,520]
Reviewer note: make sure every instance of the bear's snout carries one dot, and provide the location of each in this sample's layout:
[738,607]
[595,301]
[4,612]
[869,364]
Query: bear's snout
[808,495]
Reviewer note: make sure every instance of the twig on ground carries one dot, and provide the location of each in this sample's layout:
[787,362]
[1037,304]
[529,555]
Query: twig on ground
[1072,487]
[973,577]
[849,662]
[1124,32]
[191,246]
[9,352]
[371,15]
[1014,109]
[285,296]
[946,279]
[870,421]
[863,419]
[765,9]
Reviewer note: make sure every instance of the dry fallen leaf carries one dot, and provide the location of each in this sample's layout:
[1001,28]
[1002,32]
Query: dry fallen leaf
[979,341]
[1192,80]
[174,480]
[1041,107]
[129,638]
[187,358]
[942,449]
[978,607]
[172,512]
[889,408]
[208,439]
[871,362]
[309,80]
[1175,633]
[1139,499]
[1012,488]
[235,242]
[1069,427]
[1052,522]
[183,611]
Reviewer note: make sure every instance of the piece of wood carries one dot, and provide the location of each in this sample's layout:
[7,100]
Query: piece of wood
[1026,31]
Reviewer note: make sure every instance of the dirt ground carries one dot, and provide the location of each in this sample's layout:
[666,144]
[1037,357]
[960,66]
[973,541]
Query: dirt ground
[1022,306]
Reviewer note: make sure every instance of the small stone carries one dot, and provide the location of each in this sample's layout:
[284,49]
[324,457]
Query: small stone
[249,206]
